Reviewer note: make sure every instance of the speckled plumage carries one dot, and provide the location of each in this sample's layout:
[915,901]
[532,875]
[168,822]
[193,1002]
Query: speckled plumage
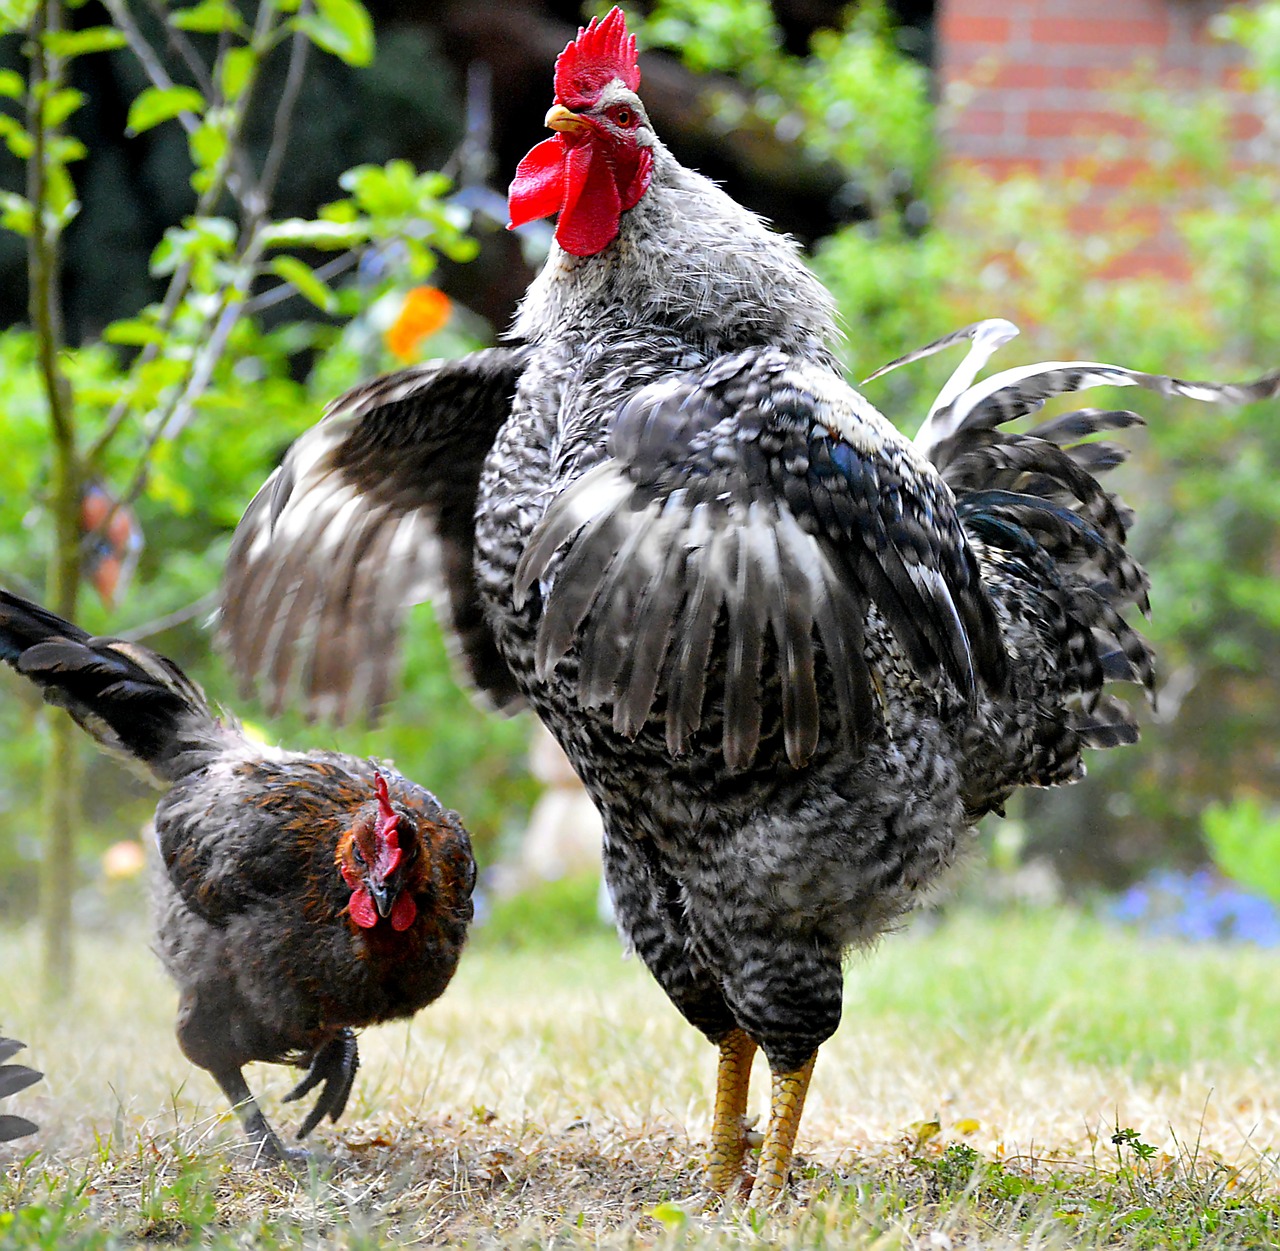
[793,655]
[254,916]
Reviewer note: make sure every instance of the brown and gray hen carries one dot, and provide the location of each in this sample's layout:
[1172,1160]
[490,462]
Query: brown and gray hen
[793,654]
[302,895]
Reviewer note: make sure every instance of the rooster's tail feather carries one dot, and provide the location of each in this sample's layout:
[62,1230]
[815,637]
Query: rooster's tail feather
[134,703]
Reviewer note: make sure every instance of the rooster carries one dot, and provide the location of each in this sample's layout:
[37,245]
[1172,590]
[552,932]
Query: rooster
[303,895]
[793,655]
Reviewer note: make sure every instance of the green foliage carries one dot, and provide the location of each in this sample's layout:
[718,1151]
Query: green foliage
[1244,840]
[552,914]
[182,408]
[855,99]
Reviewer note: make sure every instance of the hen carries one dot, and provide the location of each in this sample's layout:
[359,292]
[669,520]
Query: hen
[303,895]
[13,1078]
[792,654]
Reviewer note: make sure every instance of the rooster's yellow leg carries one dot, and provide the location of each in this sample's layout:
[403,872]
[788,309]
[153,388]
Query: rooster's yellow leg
[789,1090]
[728,1133]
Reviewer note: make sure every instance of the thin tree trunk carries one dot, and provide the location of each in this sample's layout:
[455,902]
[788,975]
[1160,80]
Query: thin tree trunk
[60,786]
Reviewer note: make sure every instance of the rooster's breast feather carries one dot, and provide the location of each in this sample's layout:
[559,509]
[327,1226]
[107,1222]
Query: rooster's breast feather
[765,487]
[372,510]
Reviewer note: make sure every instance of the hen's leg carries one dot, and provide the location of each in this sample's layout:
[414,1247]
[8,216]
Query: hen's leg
[268,1149]
[785,1108]
[728,1130]
[335,1065]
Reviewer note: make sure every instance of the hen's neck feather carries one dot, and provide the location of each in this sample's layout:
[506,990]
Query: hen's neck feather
[687,258]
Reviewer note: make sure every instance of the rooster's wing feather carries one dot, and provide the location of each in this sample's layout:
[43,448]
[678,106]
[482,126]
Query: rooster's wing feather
[371,511]
[763,487]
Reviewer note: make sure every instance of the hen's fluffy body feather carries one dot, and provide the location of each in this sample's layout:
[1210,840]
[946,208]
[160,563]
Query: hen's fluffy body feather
[255,919]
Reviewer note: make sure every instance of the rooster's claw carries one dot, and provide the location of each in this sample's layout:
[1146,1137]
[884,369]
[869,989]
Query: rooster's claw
[335,1065]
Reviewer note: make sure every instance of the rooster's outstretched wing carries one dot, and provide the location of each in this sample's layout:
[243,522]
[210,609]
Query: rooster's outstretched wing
[371,511]
[764,488]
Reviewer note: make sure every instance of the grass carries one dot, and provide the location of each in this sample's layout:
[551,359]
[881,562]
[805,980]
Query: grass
[553,1098]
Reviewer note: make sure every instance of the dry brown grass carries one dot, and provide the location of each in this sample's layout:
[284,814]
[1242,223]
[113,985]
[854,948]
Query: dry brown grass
[554,1096]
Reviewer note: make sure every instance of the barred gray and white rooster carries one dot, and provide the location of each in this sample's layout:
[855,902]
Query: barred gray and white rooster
[793,655]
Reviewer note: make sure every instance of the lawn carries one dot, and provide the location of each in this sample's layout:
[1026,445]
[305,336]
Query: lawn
[970,1098]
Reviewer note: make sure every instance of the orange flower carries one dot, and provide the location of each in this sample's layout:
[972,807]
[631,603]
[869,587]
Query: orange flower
[425,310]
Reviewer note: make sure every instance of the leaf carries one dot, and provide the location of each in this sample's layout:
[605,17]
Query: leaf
[298,232]
[133,332]
[671,1216]
[304,280]
[342,27]
[60,105]
[966,1125]
[237,71]
[16,213]
[211,17]
[160,104]
[16,139]
[11,84]
[69,43]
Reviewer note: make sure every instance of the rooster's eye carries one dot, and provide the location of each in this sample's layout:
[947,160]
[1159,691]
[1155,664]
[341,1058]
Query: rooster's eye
[623,117]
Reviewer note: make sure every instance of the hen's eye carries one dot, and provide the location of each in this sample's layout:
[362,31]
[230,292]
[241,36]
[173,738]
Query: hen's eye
[357,853]
[623,117]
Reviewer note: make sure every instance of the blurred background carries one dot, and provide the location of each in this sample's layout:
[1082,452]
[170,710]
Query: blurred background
[1105,173]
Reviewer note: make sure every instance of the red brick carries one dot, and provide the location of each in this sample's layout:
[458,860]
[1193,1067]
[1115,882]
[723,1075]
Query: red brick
[1245,126]
[1079,124]
[1110,174]
[1011,76]
[1100,31]
[980,122]
[965,28]
[1002,168]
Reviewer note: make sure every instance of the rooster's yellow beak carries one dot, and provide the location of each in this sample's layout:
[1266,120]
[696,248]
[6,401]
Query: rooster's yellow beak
[560,118]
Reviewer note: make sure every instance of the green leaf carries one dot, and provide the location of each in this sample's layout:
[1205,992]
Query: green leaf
[305,282]
[69,43]
[211,17]
[15,213]
[16,15]
[133,332]
[297,232]
[237,71]
[160,104]
[208,146]
[12,85]
[60,105]
[16,139]
[342,27]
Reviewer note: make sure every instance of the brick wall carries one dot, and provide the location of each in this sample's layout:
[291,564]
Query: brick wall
[1030,85]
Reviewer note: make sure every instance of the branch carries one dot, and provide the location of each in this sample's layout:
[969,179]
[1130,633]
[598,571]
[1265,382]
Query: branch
[284,114]
[42,249]
[206,603]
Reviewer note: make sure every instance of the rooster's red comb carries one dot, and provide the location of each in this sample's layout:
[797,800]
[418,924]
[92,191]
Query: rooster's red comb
[602,52]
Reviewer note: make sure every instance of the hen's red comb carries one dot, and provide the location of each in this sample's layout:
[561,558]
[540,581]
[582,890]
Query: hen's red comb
[602,52]
[388,817]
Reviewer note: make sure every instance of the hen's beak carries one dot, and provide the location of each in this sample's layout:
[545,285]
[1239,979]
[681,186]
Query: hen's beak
[383,897]
[560,118]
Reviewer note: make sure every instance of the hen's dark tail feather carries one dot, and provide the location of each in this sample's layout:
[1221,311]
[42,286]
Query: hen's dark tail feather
[13,1078]
[133,702]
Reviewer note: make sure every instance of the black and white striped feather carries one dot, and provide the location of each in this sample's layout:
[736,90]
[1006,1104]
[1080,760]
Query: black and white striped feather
[372,511]
[755,506]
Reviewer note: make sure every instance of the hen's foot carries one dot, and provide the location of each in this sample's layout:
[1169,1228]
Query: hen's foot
[335,1065]
[786,1106]
[728,1128]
